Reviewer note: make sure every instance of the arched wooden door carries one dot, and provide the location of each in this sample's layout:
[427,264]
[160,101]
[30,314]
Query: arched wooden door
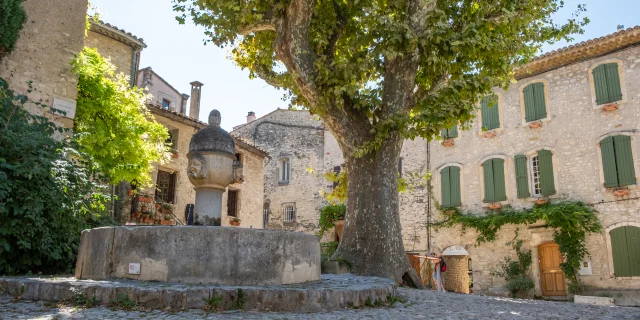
[552,278]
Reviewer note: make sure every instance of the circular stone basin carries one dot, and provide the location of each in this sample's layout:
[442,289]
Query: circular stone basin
[199,254]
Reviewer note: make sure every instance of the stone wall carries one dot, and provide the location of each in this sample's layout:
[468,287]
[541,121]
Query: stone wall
[572,132]
[120,54]
[50,38]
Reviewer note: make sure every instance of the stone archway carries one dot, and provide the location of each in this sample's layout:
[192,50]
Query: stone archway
[456,278]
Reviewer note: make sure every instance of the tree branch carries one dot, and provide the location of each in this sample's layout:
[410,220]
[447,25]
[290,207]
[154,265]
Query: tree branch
[257,27]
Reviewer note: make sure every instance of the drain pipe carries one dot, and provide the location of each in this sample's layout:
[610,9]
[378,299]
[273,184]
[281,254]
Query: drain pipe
[429,187]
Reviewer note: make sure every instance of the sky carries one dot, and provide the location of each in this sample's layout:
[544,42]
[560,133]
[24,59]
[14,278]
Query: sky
[177,53]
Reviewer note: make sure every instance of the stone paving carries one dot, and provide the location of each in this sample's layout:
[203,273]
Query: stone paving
[420,304]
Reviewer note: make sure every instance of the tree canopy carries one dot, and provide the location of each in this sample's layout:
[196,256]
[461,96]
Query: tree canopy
[113,124]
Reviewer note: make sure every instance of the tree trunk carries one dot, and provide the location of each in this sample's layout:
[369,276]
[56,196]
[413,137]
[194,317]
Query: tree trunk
[372,237]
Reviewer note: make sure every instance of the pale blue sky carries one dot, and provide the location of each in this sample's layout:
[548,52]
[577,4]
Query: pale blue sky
[177,53]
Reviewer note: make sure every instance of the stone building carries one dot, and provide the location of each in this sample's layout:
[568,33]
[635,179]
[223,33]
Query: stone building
[568,129]
[50,38]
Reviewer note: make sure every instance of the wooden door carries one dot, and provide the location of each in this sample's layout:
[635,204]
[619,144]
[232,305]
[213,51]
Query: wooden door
[552,278]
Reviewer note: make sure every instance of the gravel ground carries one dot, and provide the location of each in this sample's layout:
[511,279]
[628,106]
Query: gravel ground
[420,304]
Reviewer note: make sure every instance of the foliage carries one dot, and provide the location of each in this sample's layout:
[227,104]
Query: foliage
[82,301]
[213,303]
[327,249]
[241,298]
[112,123]
[48,193]
[123,302]
[329,214]
[571,221]
[12,17]
[515,272]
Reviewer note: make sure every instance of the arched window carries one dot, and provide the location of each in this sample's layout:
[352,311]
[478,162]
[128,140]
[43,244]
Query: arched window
[625,250]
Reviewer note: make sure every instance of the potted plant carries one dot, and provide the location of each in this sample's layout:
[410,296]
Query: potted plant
[143,209]
[535,124]
[541,201]
[610,107]
[235,221]
[489,134]
[621,192]
[495,206]
[167,220]
[167,207]
[448,142]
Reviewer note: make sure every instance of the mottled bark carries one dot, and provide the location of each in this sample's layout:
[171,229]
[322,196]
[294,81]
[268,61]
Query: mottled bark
[372,237]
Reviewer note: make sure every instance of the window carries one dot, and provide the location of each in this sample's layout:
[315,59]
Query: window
[284,171]
[166,186]
[232,203]
[625,251]
[606,80]
[336,170]
[239,157]
[449,133]
[265,215]
[617,161]
[538,169]
[172,140]
[289,213]
[165,104]
[534,102]
[490,113]
[450,186]
[494,184]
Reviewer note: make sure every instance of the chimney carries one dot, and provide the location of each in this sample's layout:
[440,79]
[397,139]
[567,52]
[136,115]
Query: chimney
[251,116]
[194,109]
[183,104]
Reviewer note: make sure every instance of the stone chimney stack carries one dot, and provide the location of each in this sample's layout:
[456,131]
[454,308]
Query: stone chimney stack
[251,116]
[183,104]
[196,90]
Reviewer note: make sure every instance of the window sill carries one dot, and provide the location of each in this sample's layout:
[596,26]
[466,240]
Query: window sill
[289,224]
[487,205]
[490,133]
[283,183]
[541,121]
[619,104]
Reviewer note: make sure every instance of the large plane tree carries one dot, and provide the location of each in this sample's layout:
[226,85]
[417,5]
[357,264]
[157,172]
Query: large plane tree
[378,72]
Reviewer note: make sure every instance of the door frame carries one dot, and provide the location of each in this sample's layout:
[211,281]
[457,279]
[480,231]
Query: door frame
[540,273]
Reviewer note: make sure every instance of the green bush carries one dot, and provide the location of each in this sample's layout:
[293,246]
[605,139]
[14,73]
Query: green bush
[329,214]
[12,16]
[47,196]
[515,271]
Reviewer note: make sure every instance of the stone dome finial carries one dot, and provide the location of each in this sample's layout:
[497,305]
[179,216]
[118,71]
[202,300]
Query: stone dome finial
[214,118]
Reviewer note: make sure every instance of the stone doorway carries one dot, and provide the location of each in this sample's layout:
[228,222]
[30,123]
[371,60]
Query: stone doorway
[552,280]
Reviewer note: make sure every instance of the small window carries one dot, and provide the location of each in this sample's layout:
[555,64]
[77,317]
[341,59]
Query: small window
[535,176]
[265,215]
[494,184]
[172,140]
[289,213]
[166,186]
[165,104]
[490,113]
[239,157]
[625,251]
[617,161]
[450,186]
[538,170]
[232,203]
[449,133]
[535,106]
[284,171]
[606,80]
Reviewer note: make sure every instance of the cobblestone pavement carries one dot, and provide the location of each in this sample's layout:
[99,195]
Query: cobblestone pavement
[420,304]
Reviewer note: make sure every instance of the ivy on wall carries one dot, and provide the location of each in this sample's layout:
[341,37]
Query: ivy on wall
[329,214]
[570,221]
[12,16]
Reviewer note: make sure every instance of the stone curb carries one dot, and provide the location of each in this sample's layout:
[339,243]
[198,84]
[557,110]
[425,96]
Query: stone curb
[331,293]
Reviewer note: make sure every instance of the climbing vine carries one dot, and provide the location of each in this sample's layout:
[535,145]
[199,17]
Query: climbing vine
[571,221]
[329,214]
[12,16]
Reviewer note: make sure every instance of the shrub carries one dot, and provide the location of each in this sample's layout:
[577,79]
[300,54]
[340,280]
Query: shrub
[12,16]
[329,214]
[47,193]
[515,271]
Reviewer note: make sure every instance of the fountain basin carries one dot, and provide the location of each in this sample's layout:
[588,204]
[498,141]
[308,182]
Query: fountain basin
[199,255]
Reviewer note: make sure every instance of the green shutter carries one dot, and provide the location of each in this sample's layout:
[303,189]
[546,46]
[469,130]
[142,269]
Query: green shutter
[489,192]
[454,181]
[600,83]
[453,132]
[529,103]
[547,184]
[498,180]
[443,133]
[613,82]
[490,113]
[619,251]
[540,103]
[522,181]
[609,163]
[624,161]
[445,184]
[633,247]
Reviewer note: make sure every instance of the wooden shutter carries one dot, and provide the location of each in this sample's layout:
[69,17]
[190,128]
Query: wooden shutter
[633,239]
[620,252]
[624,161]
[498,180]
[172,188]
[529,103]
[613,82]
[540,103]
[443,133]
[609,163]
[522,180]
[490,113]
[454,182]
[445,183]
[600,84]
[489,192]
[547,183]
